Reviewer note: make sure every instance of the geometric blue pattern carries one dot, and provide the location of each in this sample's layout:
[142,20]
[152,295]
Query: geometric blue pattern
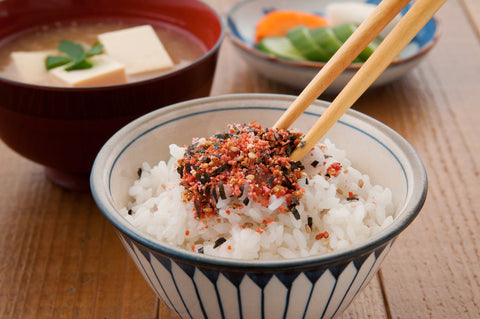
[194,291]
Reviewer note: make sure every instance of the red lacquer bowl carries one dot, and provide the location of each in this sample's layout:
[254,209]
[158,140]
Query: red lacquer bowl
[64,128]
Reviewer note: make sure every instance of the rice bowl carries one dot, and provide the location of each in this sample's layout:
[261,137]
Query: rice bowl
[195,285]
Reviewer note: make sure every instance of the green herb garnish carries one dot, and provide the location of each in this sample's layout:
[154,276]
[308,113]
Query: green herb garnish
[75,53]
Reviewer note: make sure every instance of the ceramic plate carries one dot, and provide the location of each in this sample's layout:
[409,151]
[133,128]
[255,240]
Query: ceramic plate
[242,20]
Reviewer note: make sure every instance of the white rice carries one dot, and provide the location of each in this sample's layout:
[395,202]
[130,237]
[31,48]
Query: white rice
[157,209]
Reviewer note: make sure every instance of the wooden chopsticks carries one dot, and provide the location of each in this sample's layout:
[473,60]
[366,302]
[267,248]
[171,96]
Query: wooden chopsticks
[363,35]
[406,29]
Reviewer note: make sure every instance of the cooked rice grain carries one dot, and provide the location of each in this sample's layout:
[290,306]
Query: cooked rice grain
[347,207]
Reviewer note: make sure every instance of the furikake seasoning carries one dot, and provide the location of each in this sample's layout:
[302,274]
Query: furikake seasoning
[245,155]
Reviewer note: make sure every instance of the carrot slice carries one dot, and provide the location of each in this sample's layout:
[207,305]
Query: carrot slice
[277,23]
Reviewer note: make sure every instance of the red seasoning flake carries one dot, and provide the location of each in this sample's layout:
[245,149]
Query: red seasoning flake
[334,169]
[322,235]
[267,221]
[352,196]
[246,155]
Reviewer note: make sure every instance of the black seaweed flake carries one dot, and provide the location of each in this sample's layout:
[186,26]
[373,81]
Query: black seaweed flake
[288,183]
[218,242]
[221,169]
[314,163]
[221,189]
[214,193]
[204,179]
[180,171]
[352,198]
[296,165]
[295,212]
[197,209]
[130,212]
[306,181]
[270,180]
[205,159]
[242,187]
[208,189]
[310,222]
[200,250]
[223,136]
[289,150]
[139,172]
[191,149]
[295,200]
[295,136]
[246,201]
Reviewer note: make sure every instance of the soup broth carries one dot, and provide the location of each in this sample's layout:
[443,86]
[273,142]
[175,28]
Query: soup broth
[182,47]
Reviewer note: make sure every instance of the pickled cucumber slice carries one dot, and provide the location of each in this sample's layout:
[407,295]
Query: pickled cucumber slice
[326,39]
[280,47]
[344,31]
[302,40]
[367,52]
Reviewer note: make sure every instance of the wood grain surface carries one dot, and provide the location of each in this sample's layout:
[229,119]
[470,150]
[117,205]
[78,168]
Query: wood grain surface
[60,258]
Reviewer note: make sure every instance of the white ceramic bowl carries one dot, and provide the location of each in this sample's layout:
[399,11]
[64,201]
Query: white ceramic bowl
[198,286]
[242,20]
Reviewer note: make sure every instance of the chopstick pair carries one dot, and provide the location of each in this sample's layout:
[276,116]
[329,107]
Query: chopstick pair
[405,30]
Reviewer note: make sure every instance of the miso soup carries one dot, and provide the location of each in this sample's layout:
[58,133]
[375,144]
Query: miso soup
[182,47]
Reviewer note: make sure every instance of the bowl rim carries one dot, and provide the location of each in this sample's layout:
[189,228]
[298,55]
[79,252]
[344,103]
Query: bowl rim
[205,56]
[101,177]
[249,49]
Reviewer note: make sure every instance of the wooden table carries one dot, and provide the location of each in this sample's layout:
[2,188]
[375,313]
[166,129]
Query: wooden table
[60,258]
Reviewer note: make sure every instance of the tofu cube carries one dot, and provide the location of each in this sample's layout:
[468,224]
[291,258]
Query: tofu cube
[138,48]
[105,71]
[31,65]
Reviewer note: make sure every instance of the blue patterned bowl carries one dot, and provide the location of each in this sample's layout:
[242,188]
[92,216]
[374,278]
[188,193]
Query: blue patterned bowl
[242,20]
[199,286]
